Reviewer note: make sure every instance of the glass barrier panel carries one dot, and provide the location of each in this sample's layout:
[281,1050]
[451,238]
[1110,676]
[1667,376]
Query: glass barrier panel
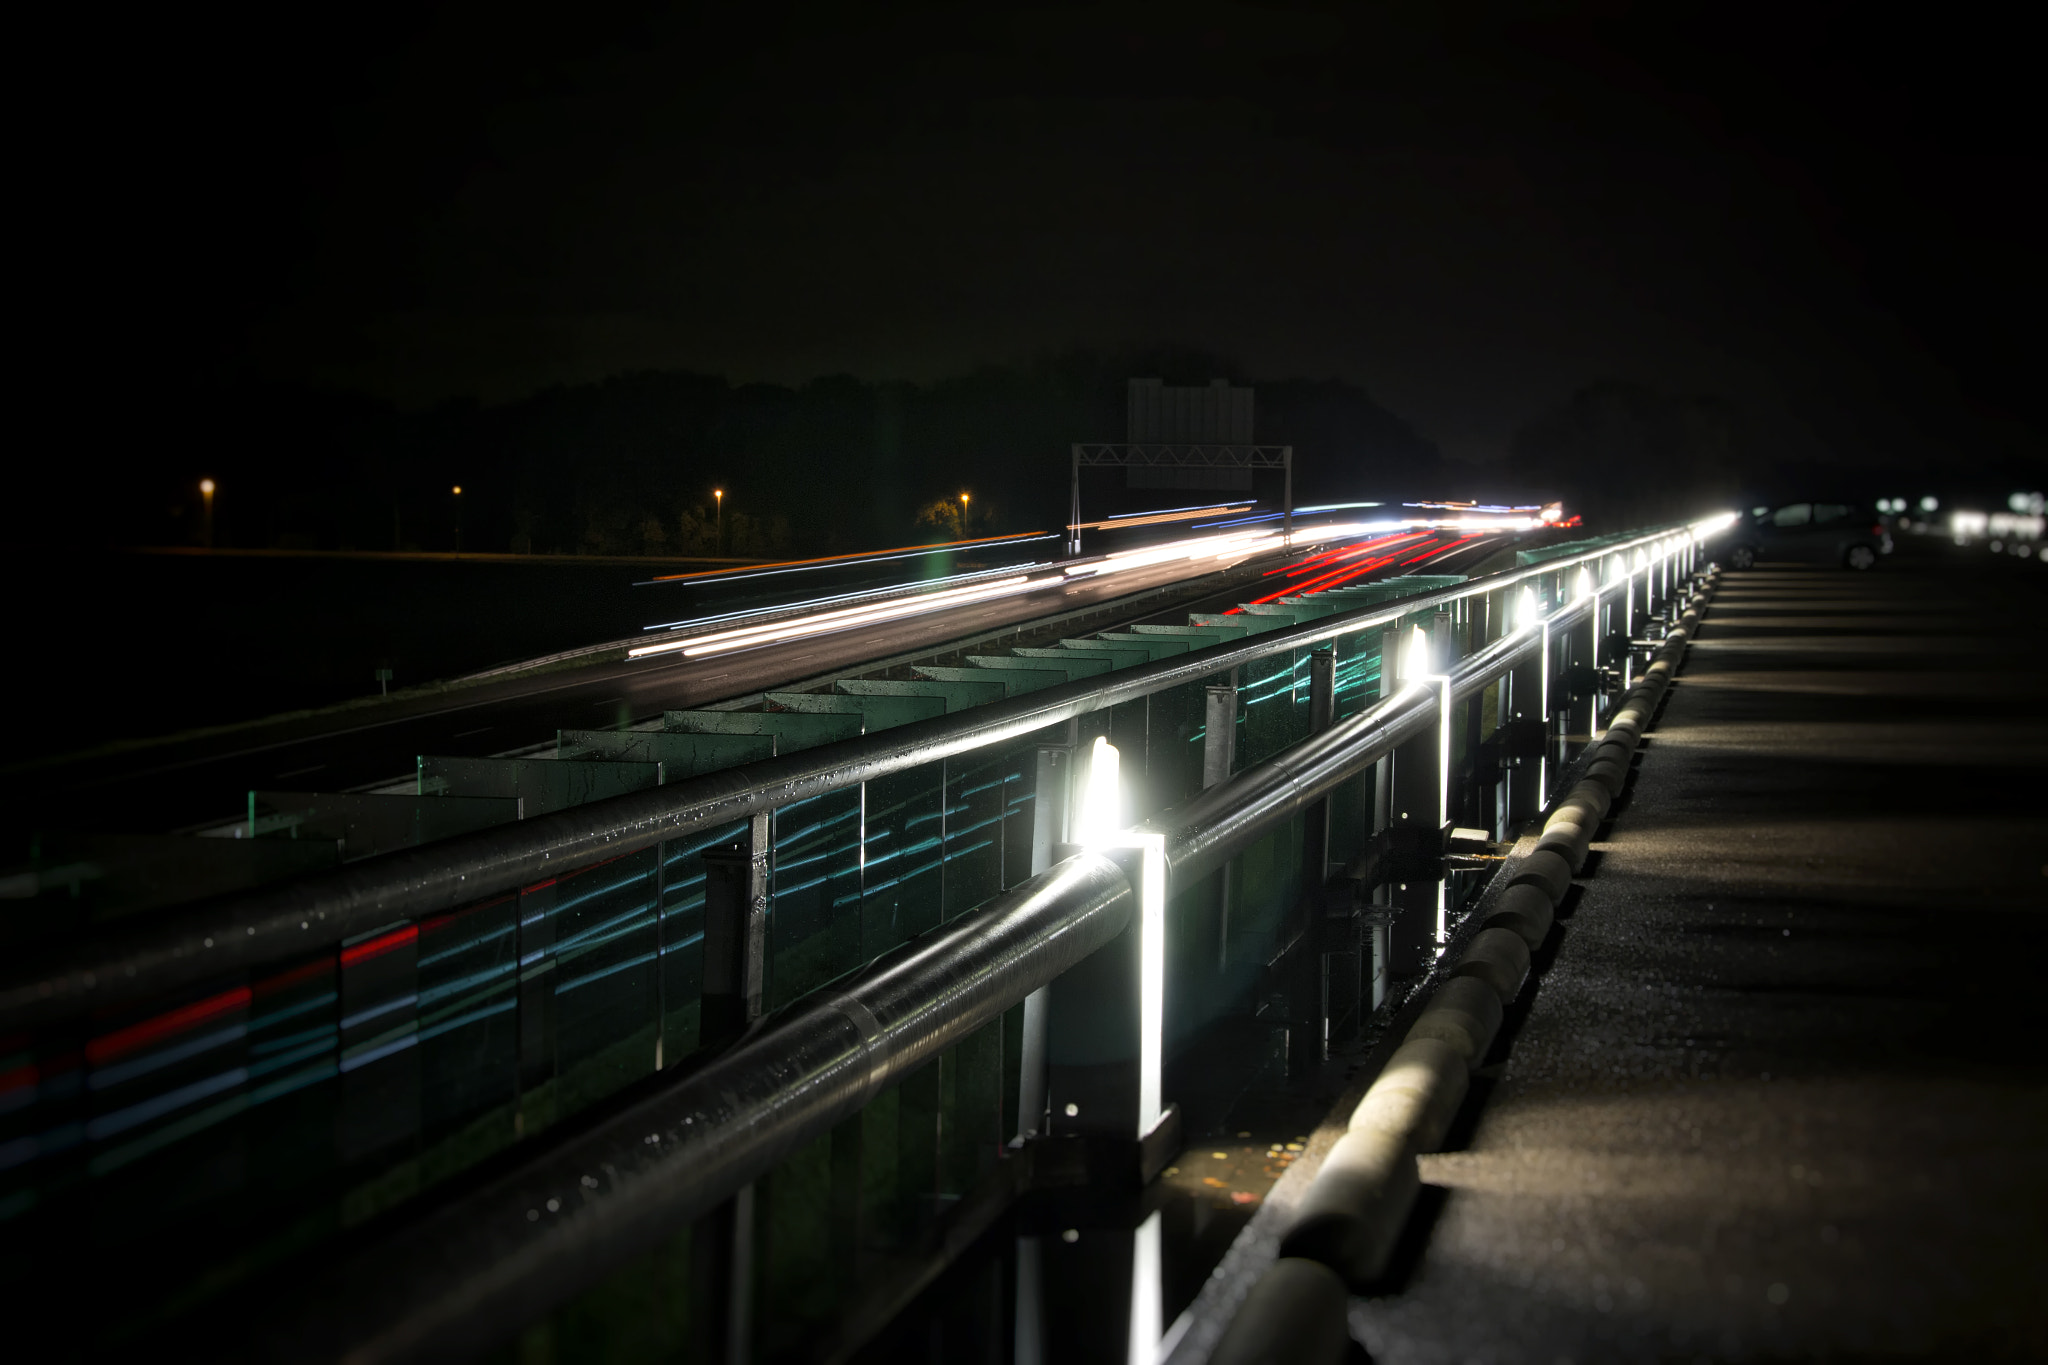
[1272,705]
[1020,801]
[1265,883]
[856,1210]
[468,983]
[604,950]
[814,906]
[975,797]
[902,873]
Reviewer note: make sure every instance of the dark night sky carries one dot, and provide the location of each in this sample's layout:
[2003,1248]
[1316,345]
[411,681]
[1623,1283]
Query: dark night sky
[1832,219]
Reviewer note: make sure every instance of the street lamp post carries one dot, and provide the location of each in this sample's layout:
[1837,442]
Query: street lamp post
[963,516]
[206,513]
[458,518]
[718,503]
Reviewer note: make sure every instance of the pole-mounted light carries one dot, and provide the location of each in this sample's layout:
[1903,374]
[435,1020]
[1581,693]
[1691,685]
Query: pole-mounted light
[1101,817]
[1415,656]
[1099,829]
[1418,670]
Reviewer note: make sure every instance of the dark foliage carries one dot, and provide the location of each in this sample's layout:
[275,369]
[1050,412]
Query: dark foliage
[627,466]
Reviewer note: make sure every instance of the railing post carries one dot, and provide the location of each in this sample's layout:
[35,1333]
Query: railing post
[1628,621]
[1105,1038]
[1052,788]
[1585,702]
[1219,734]
[722,1258]
[1219,757]
[1382,916]
[1335,917]
[1525,725]
[1472,796]
[735,934]
[1028,1334]
[1415,837]
[1322,713]
[1048,830]
[735,955]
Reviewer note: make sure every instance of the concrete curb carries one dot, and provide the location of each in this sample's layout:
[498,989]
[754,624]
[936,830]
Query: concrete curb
[1356,1206]
[1295,1315]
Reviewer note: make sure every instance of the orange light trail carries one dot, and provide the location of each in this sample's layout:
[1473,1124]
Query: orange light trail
[834,559]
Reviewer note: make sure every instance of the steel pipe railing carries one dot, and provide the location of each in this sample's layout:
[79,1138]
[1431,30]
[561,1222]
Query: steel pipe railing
[471,1274]
[463,1280]
[1205,833]
[252,929]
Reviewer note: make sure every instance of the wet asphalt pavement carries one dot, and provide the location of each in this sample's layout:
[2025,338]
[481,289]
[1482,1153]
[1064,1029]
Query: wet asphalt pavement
[1782,1091]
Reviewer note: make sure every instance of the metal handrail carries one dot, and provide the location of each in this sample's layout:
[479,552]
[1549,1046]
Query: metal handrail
[455,1282]
[465,1278]
[248,930]
[1206,832]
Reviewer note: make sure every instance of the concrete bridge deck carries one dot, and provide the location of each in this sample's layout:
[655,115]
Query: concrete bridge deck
[1782,1090]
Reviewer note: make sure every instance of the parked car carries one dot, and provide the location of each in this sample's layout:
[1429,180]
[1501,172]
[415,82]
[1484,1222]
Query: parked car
[1838,533]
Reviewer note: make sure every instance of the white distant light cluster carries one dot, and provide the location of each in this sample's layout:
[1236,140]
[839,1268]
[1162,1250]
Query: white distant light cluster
[1225,545]
[1966,526]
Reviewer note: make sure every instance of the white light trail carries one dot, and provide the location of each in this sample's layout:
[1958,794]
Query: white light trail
[727,641]
[1231,545]
[1234,544]
[856,595]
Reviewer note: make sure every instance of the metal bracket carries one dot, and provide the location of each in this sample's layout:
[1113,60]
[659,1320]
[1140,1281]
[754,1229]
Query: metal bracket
[1470,850]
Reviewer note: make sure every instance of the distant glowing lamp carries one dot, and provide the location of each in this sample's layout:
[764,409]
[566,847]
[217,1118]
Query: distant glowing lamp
[206,487]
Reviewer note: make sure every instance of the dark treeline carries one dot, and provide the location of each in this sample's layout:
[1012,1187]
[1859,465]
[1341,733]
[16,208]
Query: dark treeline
[627,465]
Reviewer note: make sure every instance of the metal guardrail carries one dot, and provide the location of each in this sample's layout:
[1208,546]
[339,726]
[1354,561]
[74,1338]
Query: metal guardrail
[275,923]
[466,1278]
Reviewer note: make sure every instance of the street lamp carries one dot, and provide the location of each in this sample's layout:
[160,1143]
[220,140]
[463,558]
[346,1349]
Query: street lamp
[963,516]
[458,518]
[206,503]
[718,502]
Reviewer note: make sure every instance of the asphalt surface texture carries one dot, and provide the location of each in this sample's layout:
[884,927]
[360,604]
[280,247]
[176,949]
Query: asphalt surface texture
[184,781]
[181,781]
[1781,1092]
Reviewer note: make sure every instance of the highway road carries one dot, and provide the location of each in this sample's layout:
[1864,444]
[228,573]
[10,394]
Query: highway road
[191,781]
